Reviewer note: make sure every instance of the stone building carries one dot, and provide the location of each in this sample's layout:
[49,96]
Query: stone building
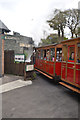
[19,43]
[3,29]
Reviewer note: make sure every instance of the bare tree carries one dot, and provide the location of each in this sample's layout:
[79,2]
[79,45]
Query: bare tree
[58,22]
[72,20]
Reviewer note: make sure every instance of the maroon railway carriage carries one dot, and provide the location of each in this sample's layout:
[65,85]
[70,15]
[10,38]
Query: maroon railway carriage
[61,61]
[70,66]
[47,57]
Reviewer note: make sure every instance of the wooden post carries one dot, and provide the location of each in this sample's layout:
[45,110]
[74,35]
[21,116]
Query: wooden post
[24,71]
[1,54]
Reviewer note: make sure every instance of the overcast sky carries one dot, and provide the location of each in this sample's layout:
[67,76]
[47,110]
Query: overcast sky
[28,17]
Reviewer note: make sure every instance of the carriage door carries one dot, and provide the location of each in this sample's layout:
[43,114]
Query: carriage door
[77,77]
[64,62]
[70,64]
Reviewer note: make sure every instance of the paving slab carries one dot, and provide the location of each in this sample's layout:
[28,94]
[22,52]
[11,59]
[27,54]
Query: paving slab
[14,85]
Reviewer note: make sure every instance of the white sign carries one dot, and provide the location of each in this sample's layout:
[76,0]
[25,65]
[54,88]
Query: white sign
[12,38]
[19,58]
[29,67]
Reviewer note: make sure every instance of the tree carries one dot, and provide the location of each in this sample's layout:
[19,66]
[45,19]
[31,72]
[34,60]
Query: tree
[72,20]
[67,18]
[58,22]
[44,42]
[77,32]
[51,39]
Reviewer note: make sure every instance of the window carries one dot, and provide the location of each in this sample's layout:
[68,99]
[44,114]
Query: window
[41,53]
[47,54]
[38,54]
[52,54]
[78,53]
[64,54]
[59,54]
[44,54]
[25,48]
[71,53]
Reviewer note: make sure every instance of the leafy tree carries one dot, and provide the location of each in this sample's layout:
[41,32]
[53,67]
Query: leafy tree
[51,39]
[44,42]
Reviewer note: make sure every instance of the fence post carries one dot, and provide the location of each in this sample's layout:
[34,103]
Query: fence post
[24,71]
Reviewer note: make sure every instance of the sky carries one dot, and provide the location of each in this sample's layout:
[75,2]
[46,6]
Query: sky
[28,17]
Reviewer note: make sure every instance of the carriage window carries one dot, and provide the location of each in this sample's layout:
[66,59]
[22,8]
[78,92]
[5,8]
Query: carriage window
[37,54]
[44,54]
[52,54]
[41,53]
[47,54]
[71,53]
[64,54]
[78,53]
[59,54]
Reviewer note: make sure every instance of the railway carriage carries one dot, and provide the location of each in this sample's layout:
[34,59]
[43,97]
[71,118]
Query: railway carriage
[70,66]
[60,62]
[47,57]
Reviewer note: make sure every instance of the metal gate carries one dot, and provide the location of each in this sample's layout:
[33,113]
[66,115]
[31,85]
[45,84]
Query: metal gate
[10,67]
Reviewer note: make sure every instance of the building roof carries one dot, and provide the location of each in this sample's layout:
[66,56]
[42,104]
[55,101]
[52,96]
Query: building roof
[3,27]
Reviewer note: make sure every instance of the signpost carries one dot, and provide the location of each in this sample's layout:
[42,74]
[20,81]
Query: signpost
[29,67]
[28,70]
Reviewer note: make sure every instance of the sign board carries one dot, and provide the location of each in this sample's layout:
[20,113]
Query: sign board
[11,38]
[19,58]
[29,67]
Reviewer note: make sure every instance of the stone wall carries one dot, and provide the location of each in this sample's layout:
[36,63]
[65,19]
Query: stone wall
[17,43]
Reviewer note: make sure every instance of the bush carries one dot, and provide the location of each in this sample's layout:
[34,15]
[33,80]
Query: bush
[33,76]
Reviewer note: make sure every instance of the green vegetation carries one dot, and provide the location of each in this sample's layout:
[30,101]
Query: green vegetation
[33,76]
[51,39]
